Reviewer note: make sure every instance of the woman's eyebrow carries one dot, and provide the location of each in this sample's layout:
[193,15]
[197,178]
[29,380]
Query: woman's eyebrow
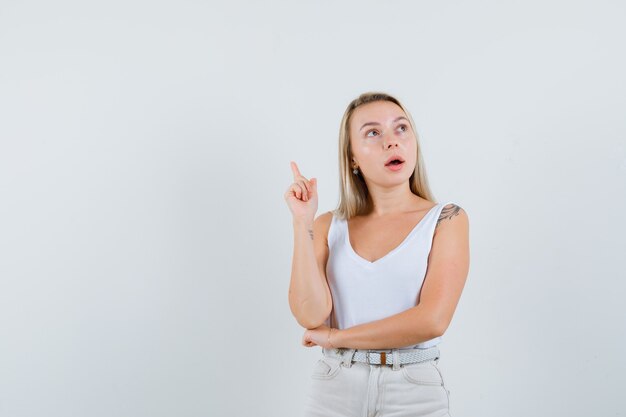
[376,123]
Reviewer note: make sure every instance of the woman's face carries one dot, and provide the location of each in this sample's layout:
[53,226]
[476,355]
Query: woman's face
[379,130]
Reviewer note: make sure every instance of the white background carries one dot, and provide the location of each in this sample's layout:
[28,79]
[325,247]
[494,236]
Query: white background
[145,245]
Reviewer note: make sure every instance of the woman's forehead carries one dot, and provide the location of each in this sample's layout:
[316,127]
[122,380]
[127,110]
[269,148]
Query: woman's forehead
[378,112]
[382,112]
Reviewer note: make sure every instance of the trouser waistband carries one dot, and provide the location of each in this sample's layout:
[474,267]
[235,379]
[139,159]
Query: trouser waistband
[389,357]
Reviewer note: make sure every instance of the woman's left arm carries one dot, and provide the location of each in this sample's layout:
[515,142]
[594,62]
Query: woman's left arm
[446,274]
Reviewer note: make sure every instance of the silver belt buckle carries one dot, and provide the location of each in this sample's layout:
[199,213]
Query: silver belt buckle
[388,351]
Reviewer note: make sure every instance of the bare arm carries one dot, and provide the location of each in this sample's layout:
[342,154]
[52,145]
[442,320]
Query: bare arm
[448,266]
[309,295]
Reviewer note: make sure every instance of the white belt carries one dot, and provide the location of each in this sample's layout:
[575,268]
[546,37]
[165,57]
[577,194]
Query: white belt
[385,357]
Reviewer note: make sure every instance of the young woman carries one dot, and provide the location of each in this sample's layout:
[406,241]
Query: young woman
[377,280]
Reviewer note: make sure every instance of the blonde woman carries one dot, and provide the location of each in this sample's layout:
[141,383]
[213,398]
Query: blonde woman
[377,280]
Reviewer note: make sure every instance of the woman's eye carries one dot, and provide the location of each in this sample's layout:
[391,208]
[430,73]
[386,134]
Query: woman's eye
[371,131]
[403,128]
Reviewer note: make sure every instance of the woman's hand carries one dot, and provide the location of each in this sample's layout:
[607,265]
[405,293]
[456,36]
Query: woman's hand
[318,337]
[301,196]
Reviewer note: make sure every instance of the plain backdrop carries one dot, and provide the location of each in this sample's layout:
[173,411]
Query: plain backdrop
[145,244]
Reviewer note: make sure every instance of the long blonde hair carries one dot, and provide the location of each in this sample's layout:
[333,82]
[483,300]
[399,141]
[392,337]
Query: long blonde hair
[354,198]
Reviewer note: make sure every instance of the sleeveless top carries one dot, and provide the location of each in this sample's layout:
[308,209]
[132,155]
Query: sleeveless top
[365,291]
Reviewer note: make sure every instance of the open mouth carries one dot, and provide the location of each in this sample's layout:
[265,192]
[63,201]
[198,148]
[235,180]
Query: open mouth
[395,162]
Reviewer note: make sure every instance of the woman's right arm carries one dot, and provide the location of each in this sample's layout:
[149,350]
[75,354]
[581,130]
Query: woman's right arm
[309,296]
[310,299]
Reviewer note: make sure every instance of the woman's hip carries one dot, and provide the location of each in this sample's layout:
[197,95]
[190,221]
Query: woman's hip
[341,386]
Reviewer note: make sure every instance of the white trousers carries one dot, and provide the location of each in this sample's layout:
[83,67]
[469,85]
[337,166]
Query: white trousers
[341,388]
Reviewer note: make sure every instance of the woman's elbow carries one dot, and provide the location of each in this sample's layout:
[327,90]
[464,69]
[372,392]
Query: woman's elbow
[314,318]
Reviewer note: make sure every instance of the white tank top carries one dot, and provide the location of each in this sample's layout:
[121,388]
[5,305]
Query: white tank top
[365,291]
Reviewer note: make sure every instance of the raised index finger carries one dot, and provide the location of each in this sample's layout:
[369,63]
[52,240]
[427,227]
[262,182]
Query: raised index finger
[295,170]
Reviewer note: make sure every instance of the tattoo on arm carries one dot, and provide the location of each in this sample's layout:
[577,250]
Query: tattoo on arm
[448,212]
[311,233]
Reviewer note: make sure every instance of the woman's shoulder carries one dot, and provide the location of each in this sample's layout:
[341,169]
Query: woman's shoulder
[321,224]
[452,213]
[451,208]
[325,218]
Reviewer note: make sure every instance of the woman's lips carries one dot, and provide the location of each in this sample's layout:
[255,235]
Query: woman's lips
[395,167]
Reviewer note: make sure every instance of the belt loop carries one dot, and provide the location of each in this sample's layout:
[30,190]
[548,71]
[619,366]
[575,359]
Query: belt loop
[346,357]
[396,359]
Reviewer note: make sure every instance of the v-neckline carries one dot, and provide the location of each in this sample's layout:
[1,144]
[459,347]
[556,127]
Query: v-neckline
[367,262]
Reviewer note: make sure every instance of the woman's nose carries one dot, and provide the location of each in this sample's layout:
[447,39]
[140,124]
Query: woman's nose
[389,139]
